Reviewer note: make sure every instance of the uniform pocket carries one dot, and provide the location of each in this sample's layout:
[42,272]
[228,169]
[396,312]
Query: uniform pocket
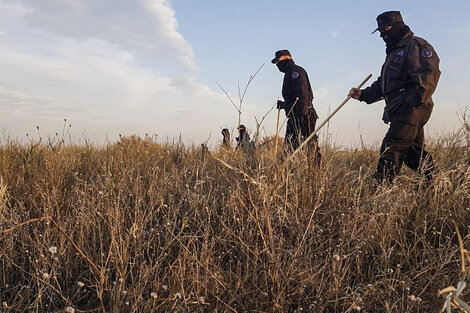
[395,69]
[394,103]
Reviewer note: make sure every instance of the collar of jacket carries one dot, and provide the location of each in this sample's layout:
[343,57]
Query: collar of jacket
[405,39]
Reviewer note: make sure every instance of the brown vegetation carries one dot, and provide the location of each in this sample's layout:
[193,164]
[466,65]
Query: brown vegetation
[145,227]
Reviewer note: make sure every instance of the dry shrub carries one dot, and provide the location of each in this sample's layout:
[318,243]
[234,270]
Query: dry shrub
[145,227]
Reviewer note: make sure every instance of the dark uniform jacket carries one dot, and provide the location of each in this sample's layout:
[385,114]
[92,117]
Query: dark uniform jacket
[408,79]
[296,84]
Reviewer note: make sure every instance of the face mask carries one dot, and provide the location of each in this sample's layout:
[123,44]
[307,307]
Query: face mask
[394,34]
[389,37]
[283,65]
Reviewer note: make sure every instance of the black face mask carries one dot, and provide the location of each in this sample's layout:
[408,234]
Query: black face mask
[283,65]
[395,34]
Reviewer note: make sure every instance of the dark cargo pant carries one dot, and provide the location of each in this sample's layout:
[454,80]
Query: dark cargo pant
[404,142]
[298,129]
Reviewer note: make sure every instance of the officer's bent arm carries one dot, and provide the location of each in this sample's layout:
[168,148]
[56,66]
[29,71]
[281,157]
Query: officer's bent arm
[373,93]
[423,70]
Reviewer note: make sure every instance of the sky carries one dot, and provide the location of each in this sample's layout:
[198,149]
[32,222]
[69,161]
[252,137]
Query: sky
[111,67]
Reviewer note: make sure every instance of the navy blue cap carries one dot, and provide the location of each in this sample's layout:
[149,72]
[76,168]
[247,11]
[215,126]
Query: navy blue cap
[387,19]
[279,54]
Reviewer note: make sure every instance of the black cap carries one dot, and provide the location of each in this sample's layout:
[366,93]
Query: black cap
[279,54]
[241,127]
[388,19]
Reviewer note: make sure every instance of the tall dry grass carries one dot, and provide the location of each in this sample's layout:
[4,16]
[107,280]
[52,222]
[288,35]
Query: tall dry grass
[138,226]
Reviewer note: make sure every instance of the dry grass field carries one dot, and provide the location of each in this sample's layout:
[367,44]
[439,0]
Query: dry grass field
[139,226]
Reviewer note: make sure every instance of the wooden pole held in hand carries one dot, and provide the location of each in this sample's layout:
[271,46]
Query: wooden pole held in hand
[326,120]
[277,130]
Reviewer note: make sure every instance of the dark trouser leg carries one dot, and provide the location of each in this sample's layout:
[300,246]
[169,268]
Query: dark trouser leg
[298,129]
[292,134]
[418,159]
[395,145]
[403,142]
[307,124]
[388,166]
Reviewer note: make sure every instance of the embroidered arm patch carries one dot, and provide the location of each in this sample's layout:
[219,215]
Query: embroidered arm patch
[426,53]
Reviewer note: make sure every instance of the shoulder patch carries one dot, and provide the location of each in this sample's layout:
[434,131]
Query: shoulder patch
[426,53]
[295,75]
[401,52]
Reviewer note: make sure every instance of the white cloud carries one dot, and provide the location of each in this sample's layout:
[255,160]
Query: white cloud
[101,86]
[18,105]
[91,63]
[146,27]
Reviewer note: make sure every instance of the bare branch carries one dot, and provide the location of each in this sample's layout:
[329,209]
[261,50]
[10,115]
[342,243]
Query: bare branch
[258,124]
[240,99]
[208,138]
[240,96]
[249,81]
[228,97]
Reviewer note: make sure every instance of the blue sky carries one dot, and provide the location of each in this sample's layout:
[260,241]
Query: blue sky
[152,66]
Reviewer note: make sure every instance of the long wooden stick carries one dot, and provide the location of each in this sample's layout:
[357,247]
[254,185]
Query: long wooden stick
[277,130]
[326,120]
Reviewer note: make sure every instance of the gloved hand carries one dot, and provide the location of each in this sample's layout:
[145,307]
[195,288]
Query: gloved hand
[281,104]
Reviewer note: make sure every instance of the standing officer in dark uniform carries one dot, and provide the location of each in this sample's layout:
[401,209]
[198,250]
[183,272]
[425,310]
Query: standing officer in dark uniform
[298,98]
[408,79]
[243,141]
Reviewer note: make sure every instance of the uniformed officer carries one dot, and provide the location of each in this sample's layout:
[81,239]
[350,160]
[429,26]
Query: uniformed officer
[243,141]
[408,79]
[298,98]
